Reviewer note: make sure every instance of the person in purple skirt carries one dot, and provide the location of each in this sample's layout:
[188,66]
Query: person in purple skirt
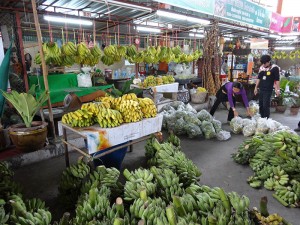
[227,93]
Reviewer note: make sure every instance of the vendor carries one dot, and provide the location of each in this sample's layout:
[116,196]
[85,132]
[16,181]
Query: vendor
[227,93]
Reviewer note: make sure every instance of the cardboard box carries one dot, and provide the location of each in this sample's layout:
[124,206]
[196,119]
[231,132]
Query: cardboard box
[101,138]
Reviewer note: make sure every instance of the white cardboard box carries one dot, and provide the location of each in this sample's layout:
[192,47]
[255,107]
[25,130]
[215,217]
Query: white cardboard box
[164,88]
[101,138]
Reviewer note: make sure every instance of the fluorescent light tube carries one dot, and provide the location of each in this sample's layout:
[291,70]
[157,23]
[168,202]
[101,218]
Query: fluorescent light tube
[274,36]
[148,23]
[126,5]
[196,35]
[284,48]
[68,20]
[148,29]
[197,31]
[227,39]
[289,38]
[247,41]
[181,17]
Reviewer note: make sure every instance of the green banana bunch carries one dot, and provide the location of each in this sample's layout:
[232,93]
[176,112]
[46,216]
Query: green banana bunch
[67,61]
[110,50]
[79,118]
[3,215]
[168,183]
[83,51]
[176,50]
[22,216]
[5,171]
[107,60]
[95,51]
[69,49]
[137,182]
[254,182]
[80,169]
[173,139]
[286,196]
[93,205]
[8,186]
[187,171]
[34,204]
[131,51]
[239,203]
[52,53]
[149,149]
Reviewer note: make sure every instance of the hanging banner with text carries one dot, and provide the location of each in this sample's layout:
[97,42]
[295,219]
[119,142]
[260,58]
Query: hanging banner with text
[243,11]
[203,6]
[281,24]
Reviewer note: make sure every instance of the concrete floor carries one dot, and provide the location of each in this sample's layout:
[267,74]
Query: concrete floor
[211,156]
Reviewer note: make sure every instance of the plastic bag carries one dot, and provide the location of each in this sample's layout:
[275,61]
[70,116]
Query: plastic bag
[176,104]
[262,126]
[208,130]
[192,130]
[223,135]
[271,125]
[190,108]
[247,122]
[192,118]
[84,80]
[180,114]
[250,128]
[217,125]
[181,108]
[180,127]
[203,115]
[170,122]
[253,107]
[236,125]
[167,108]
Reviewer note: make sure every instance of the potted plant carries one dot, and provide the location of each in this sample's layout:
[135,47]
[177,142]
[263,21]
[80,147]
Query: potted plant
[30,135]
[279,102]
[293,102]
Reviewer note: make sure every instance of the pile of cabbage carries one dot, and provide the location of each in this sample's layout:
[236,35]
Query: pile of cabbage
[183,119]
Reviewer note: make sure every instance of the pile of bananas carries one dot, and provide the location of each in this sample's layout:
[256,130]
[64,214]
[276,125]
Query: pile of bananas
[167,156]
[114,53]
[52,53]
[3,215]
[148,107]
[131,111]
[108,118]
[272,219]
[78,118]
[152,81]
[275,161]
[138,181]
[33,214]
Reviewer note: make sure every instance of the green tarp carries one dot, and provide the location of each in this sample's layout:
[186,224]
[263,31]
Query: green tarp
[59,84]
[4,73]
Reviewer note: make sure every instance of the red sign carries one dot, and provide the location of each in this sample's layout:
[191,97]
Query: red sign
[281,24]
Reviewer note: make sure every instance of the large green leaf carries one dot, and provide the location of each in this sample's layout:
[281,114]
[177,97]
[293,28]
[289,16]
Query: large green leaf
[26,105]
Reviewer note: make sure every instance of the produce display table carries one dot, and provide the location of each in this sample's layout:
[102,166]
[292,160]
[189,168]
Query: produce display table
[102,142]
[165,88]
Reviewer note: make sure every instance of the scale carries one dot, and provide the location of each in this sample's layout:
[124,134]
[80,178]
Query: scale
[72,101]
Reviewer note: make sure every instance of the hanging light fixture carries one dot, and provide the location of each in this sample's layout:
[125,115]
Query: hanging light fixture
[59,19]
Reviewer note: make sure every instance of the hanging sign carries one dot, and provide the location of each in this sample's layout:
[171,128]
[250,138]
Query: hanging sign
[203,6]
[243,11]
[281,24]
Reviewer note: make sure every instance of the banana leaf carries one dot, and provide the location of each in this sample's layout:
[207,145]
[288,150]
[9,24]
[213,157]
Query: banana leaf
[25,103]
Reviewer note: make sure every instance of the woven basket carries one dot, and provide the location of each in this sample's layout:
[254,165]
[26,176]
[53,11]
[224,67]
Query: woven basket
[199,97]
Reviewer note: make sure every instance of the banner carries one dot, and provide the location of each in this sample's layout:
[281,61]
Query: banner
[243,11]
[281,24]
[203,6]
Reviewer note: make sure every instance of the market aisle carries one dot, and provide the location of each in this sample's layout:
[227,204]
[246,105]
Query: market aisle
[211,156]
